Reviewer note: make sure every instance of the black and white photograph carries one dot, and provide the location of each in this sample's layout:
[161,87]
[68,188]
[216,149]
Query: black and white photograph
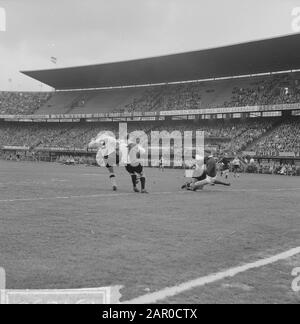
[149,155]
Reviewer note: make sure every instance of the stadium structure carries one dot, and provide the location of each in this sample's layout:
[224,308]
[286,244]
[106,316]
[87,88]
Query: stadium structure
[245,97]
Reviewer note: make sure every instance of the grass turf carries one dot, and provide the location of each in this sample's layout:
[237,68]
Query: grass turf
[63,227]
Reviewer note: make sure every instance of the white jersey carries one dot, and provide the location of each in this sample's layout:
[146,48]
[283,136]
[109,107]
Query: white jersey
[236,162]
[199,167]
[106,146]
[134,154]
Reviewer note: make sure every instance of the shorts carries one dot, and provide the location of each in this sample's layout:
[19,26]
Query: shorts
[111,160]
[201,178]
[211,180]
[134,169]
[236,167]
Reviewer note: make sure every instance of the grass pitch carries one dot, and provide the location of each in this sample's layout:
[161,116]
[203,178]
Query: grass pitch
[63,227]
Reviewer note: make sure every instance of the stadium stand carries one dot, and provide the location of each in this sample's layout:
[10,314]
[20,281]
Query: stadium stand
[239,92]
[278,168]
[22,103]
[230,136]
[277,89]
[108,88]
[284,138]
[20,134]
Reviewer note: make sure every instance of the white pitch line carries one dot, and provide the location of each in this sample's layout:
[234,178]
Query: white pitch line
[93,174]
[80,197]
[30,182]
[255,190]
[59,198]
[131,194]
[202,281]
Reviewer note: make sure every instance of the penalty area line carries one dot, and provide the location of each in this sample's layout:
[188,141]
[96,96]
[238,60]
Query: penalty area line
[203,281]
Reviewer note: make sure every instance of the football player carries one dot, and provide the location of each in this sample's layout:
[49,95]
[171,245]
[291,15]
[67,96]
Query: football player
[225,166]
[236,166]
[211,175]
[134,166]
[106,154]
[198,172]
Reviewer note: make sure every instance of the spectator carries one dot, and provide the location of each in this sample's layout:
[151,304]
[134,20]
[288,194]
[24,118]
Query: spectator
[22,103]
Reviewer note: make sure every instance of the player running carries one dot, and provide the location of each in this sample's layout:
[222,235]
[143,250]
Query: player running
[211,175]
[225,166]
[161,164]
[134,166]
[106,155]
[236,166]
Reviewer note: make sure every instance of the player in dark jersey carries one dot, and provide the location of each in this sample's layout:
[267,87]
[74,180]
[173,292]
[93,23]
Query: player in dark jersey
[226,167]
[135,168]
[236,166]
[211,175]
[161,164]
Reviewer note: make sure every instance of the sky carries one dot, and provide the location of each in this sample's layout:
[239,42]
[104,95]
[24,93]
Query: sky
[79,32]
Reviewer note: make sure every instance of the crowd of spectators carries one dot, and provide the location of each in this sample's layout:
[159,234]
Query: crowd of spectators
[249,133]
[279,89]
[55,135]
[279,168]
[231,136]
[284,138]
[76,159]
[266,137]
[275,168]
[28,135]
[211,130]
[276,89]
[168,97]
[22,103]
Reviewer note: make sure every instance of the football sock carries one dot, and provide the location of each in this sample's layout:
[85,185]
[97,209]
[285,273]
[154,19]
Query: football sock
[143,182]
[113,180]
[134,180]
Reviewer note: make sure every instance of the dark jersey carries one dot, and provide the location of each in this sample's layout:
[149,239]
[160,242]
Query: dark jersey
[211,167]
[226,163]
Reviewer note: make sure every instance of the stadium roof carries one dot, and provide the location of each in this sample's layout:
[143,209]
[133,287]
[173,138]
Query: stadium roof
[263,56]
